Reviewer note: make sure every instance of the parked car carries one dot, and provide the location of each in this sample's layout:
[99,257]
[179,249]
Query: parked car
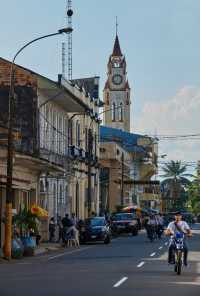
[124,223]
[95,229]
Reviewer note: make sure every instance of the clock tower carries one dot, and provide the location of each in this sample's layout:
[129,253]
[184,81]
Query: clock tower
[117,91]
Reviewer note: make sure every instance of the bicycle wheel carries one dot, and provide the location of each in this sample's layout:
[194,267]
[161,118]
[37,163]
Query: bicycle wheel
[179,262]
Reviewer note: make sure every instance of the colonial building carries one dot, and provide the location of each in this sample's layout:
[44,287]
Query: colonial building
[127,164]
[56,155]
[28,162]
[84,147]
[128,161]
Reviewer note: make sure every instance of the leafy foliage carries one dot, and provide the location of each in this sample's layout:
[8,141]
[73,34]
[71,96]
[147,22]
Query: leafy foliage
[175,183]
[194,196]
[25,221]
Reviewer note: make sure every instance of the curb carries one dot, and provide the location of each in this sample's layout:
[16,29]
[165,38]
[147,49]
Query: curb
[46,250]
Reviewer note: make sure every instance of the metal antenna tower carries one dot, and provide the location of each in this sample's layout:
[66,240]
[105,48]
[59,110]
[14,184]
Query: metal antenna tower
[63,59]
[69,19]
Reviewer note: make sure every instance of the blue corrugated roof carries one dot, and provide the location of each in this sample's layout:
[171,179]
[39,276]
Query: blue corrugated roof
[125,139]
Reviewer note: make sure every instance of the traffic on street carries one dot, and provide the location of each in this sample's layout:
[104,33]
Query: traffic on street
[99,154]
[130,265]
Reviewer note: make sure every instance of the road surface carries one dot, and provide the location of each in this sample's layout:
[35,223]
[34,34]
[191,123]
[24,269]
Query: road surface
[128,266]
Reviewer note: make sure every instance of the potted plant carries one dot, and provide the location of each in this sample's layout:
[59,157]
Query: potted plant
[26,222]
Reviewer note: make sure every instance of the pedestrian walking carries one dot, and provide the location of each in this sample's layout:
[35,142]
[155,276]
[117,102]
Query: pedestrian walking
[52,229]
[160,223]
[74,219]
[60,229]
[66,221]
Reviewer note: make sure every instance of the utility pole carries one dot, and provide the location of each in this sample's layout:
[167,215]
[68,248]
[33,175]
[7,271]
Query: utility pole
[90,150]
[10,148]
[10,154]
[122,180]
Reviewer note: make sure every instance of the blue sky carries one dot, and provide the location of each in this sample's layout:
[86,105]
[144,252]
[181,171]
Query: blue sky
[159,38]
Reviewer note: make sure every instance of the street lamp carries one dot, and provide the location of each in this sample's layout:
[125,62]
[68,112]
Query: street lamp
[10,149]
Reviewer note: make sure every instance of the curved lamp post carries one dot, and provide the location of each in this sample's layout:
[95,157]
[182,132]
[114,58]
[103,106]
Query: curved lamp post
[10,149]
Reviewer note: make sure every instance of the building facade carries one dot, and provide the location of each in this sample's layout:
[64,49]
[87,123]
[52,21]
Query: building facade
[127,166]
[56,155]
[28,165]
[71,138]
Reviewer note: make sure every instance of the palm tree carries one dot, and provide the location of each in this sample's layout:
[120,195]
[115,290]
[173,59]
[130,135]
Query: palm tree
[175,180]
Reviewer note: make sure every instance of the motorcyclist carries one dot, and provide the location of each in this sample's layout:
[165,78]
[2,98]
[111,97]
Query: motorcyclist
[177,226]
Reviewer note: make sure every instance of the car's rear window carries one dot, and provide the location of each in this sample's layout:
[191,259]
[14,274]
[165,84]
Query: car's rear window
[96,222]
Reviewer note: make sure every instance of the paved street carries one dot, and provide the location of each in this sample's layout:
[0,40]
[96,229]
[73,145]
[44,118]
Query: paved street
[128,266]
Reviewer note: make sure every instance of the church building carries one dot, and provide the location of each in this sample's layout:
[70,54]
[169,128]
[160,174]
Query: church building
[127,159]
[117,91]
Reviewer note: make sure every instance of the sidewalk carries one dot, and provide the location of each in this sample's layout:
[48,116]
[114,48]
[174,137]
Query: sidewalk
[47,247]
[42,249]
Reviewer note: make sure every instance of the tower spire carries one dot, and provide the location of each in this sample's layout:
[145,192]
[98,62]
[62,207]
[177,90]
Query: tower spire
[117,50]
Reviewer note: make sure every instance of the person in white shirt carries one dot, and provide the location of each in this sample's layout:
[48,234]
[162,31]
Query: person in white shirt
[160,222]
[151,227]
[177,226]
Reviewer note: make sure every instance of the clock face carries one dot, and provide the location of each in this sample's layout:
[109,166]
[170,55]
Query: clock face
[117,79]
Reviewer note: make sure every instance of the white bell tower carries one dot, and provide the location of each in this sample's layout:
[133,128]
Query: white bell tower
[117,91]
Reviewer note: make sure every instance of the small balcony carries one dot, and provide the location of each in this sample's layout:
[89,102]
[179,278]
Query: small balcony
[82,154]
[73,152]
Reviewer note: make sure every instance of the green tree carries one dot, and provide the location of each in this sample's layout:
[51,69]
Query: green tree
[194,196]
[176,180]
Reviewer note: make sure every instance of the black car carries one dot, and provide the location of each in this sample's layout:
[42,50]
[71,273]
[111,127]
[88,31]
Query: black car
[95,229]
[124,223]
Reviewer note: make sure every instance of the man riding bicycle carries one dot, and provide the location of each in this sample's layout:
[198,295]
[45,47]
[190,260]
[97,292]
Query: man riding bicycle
[177,226]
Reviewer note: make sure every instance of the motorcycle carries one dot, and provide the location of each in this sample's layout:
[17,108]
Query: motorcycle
[178,241]
[151,232]
[159,231]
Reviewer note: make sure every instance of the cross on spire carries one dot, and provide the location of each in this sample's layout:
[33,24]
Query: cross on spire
[117,24]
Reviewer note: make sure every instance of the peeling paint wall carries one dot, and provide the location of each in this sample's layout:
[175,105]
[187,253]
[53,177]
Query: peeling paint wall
[25,113]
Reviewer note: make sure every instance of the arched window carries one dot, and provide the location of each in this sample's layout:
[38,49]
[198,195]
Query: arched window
[66,200]
[78,134]
[61,195]
[55,200]
[113,111]
[60,136]
[121,111]
[127,99]
[77,200]
[54,133]
[46,138]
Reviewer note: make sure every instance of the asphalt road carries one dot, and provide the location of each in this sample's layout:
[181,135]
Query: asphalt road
[128,266]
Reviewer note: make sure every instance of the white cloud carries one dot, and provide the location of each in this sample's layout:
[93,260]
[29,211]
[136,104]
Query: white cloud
[177,115]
